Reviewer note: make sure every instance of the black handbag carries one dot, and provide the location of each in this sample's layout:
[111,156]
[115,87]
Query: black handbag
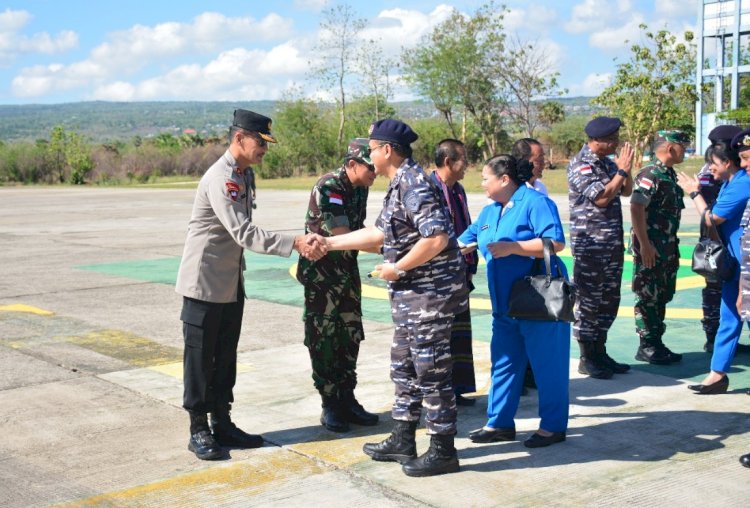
[711,257]
[543,297]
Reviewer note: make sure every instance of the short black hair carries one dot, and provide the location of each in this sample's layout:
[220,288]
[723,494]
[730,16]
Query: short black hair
[447,147]
[522,148]
[722,151]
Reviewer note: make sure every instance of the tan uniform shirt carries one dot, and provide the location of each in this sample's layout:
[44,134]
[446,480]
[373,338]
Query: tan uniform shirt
[219,229]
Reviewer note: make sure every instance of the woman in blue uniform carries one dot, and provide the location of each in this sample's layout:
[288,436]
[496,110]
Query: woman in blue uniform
[726,214]
[509,235]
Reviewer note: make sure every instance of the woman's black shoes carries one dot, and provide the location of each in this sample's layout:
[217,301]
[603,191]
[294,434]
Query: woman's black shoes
[719,386]
[745,460]
[538,440]
[492,435]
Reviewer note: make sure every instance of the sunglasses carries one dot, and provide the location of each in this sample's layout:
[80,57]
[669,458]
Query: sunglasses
[261,142]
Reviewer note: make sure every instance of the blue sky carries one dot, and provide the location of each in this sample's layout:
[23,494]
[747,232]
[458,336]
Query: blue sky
[69,51]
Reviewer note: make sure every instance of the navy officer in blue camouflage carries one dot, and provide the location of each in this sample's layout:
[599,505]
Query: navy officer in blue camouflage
[596,183]
[426,276]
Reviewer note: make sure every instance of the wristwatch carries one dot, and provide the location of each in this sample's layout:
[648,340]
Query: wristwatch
[398,271]
[694,194]
[622,172]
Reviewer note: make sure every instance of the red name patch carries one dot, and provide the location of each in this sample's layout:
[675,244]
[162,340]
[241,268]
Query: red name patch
[233,190]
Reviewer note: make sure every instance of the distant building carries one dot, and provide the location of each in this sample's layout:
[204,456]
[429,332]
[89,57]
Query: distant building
[723,61]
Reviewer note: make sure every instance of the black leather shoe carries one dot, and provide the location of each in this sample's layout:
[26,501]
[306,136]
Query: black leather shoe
[399,447]
[440,458]
[656,355]
[745,460]
[232,436]
[204,446]
[490,436]
[353,412]
[595,368]
[615,366]
[720,386]
[463,401]
[333,419]
[538,440]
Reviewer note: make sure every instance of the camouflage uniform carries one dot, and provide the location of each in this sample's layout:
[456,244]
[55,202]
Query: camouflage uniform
[333,290]
[709,189]
[656,188]
[423,301]
[596,241]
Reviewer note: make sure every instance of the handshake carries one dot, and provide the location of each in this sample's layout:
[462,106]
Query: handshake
[312,246]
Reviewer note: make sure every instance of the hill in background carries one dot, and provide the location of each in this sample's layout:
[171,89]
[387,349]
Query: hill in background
[106,121]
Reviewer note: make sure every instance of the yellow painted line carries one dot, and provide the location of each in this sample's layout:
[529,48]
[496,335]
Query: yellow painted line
[127,347]
[18,307]
[175,369]
[477,303]
[215,485]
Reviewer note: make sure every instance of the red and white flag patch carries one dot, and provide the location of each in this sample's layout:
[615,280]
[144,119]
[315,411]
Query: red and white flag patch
[646,183]
[233,190]
[336,199]
[704,180]
[585,170]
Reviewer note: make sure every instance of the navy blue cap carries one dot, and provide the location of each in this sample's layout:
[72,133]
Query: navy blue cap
[741,141]
[394,131]
[253,122]
[724,133]
[602,126]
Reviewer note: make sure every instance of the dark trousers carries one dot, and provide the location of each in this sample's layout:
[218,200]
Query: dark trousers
[211,331]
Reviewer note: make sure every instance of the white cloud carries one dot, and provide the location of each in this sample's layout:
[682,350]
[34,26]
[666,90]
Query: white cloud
[536,20]
[615,39]
[249,74]
[591,86]
[13,43]
[399,28]
[128,51]
[591,15]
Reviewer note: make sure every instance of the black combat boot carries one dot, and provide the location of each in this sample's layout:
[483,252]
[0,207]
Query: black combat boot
[591,363]
[400,446]
[656,354]
[353,412]
[608,361]
[228,434]
[332,417]
[440,458]
[202,443]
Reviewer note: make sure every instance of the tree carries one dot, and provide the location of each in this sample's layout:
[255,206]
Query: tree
[338,48]
[550,113]
[525,79]
[375,68]
[655,89]
[454,67]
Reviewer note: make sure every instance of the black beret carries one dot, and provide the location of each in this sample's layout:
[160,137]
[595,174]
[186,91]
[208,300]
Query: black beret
[741,141]
[253,122]
[602,126]
[394,131]
[723,133]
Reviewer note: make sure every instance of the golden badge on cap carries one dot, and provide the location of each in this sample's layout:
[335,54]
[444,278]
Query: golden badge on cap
[746,140]
[372,128]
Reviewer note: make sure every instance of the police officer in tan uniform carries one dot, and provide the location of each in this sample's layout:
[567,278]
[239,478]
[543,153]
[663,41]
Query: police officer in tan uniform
[211,283]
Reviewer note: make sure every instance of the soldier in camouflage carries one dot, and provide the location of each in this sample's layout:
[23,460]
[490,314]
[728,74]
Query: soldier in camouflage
[596,183]
[655,208]
[709,189]
[426,276]
[333,290]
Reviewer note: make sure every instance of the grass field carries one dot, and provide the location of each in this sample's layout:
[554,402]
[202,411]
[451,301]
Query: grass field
[555,180]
